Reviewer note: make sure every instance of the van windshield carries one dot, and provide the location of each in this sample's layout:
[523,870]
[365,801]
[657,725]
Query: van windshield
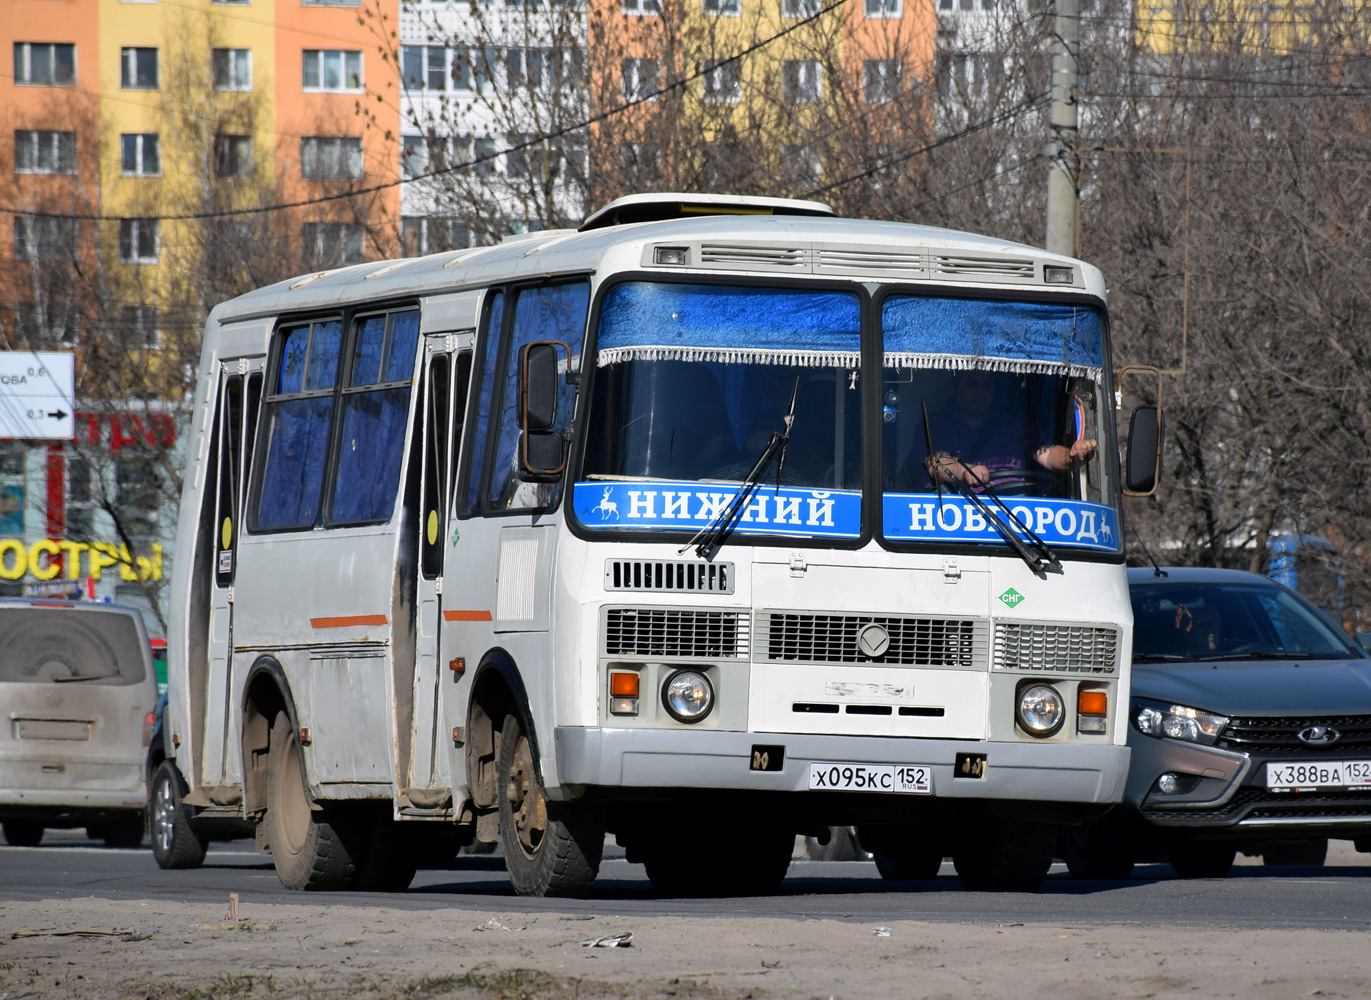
[60,645]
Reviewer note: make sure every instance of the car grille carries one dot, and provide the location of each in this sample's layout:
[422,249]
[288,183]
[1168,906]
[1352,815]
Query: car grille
[1252,802]
[1279,735]
[1076,649]
[672,632]
[803,637]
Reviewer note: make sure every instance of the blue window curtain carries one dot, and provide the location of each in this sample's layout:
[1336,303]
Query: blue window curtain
[926,332]
[557,312]
[475,459]
[293,472]
[654,321]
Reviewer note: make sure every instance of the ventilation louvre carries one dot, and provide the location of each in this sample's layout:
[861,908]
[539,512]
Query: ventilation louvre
[728,255]
[670,575]
[1071,649]
[958,266]
[675,632]
[803,637]
[897,263]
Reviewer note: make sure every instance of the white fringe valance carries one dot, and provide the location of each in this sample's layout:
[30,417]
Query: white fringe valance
[966,362]
[732,356]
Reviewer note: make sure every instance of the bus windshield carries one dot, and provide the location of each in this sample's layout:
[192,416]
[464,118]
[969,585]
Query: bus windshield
[695,378]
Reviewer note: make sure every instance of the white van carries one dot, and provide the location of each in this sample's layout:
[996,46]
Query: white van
[78,691]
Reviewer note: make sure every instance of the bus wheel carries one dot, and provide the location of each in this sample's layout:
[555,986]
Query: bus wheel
[22,832]
[390,859]
[909,866]
[1004,855]
[174,843]
[309,847]
[551,848]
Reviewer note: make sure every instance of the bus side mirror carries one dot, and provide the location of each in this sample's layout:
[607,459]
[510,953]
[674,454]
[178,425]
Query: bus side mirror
[542,452]
[1143,466]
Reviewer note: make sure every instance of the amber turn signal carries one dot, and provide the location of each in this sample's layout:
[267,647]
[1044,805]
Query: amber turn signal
[1092,703]
[623,685]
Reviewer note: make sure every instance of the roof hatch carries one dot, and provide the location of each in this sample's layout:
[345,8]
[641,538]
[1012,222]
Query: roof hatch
[660,206]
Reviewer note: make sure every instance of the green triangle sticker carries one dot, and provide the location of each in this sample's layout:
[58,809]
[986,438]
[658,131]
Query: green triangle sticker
[1011,598]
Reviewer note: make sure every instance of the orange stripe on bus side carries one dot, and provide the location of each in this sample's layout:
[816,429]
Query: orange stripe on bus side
[346,620]
[466,616]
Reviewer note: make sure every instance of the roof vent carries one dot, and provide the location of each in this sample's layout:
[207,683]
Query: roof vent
[731,255]
[956,266]
[659,207]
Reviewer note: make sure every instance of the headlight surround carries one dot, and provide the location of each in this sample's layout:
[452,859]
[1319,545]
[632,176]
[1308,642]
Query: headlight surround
[1041,710]
[1177,722]
[688,696]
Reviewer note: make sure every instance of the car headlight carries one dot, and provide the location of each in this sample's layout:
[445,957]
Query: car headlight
[1177,722]
[688,695]
[1041,709]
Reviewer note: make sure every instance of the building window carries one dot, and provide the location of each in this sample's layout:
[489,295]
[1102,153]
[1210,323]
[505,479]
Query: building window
[525,158]
[332,70]
[140,326]
[430,67]
[642,78]
[730,7]
[38,152]
[486,153]
[141,154]
[331,158]
[641,8]
[880,80]
[421,235]
[724,82]
[232,69]
[138,69]
[332,244]
[800,80]
[800,8]
[44,237]
[413,155]
[138,494]
[43,64]
[138,241]
[525,67]
[884,8]
[232,156]
[81,499]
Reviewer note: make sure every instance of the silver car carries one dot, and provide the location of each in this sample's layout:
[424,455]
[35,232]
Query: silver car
[78,689]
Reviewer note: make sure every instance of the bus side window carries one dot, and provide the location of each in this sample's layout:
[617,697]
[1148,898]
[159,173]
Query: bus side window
[461,385]
[435,468]
[251,408]
[552,312]
[230,492]
[473,461]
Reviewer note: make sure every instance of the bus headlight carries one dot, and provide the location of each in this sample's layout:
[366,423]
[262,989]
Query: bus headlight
[688,695]
[1041,710]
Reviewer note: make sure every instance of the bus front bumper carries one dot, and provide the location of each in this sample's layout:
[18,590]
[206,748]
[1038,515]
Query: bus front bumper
[671,758]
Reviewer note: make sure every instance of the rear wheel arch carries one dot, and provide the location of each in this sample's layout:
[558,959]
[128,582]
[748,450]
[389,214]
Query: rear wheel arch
[497,690]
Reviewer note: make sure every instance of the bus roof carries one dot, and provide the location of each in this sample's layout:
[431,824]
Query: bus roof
[744,245]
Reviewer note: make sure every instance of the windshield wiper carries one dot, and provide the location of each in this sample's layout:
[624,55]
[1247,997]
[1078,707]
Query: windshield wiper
[1164,657]
[716,532]
[78,680]
[1256,655]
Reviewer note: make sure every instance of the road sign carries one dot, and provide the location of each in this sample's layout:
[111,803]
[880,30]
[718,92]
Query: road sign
[36,395]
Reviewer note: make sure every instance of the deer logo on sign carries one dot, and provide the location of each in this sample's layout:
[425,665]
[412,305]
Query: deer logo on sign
[607,506]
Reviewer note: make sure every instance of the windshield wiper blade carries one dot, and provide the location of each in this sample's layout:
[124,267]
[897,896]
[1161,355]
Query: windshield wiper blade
[1163,657]
[717,531]
[1255,655]
[1045,559]
[86,677]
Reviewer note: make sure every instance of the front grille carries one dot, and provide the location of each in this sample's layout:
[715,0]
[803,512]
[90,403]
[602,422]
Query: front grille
[668,632]
[1073,649]
[1279,735]
[669,574]
[1252,802]
[925,642]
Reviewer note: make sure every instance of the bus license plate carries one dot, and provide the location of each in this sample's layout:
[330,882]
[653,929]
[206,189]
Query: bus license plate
[1319,774]
[910,778]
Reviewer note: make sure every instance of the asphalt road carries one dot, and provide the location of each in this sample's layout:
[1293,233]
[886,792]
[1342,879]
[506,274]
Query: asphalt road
[1336,896]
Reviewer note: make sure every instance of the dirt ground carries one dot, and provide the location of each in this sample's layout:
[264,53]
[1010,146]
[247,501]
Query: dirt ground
[183,951]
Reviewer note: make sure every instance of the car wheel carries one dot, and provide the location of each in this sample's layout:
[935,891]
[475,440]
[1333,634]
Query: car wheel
[1004,855]
[551,848]
[22,832]
[1201,858]
[1311,852]
[175,843]
[312,848]
[126,832]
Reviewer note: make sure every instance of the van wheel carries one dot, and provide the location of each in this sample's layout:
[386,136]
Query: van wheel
[551,848]
[126,832]
[311,848]
[1005,855]
[1201,858]
[22,832]
[175,844]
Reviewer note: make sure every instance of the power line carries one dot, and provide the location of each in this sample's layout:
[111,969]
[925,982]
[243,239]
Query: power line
[517,147]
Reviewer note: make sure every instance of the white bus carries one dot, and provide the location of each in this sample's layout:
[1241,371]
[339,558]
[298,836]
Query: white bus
[715,521]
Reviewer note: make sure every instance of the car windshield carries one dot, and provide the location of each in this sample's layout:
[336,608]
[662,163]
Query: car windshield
[1218,621]
[69,645]
[694,379]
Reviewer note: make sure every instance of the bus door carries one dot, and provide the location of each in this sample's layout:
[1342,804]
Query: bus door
[444,381]
[240,391]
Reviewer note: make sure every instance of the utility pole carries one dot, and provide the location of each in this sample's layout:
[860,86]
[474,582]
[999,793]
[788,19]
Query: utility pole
[1063,154]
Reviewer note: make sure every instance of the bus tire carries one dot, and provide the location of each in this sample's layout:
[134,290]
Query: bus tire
[175,844]
[311,848]
[551,848]
[909,866]
[124,832]
[390,859]
[1005,855]
[1201,858]
[22,832]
